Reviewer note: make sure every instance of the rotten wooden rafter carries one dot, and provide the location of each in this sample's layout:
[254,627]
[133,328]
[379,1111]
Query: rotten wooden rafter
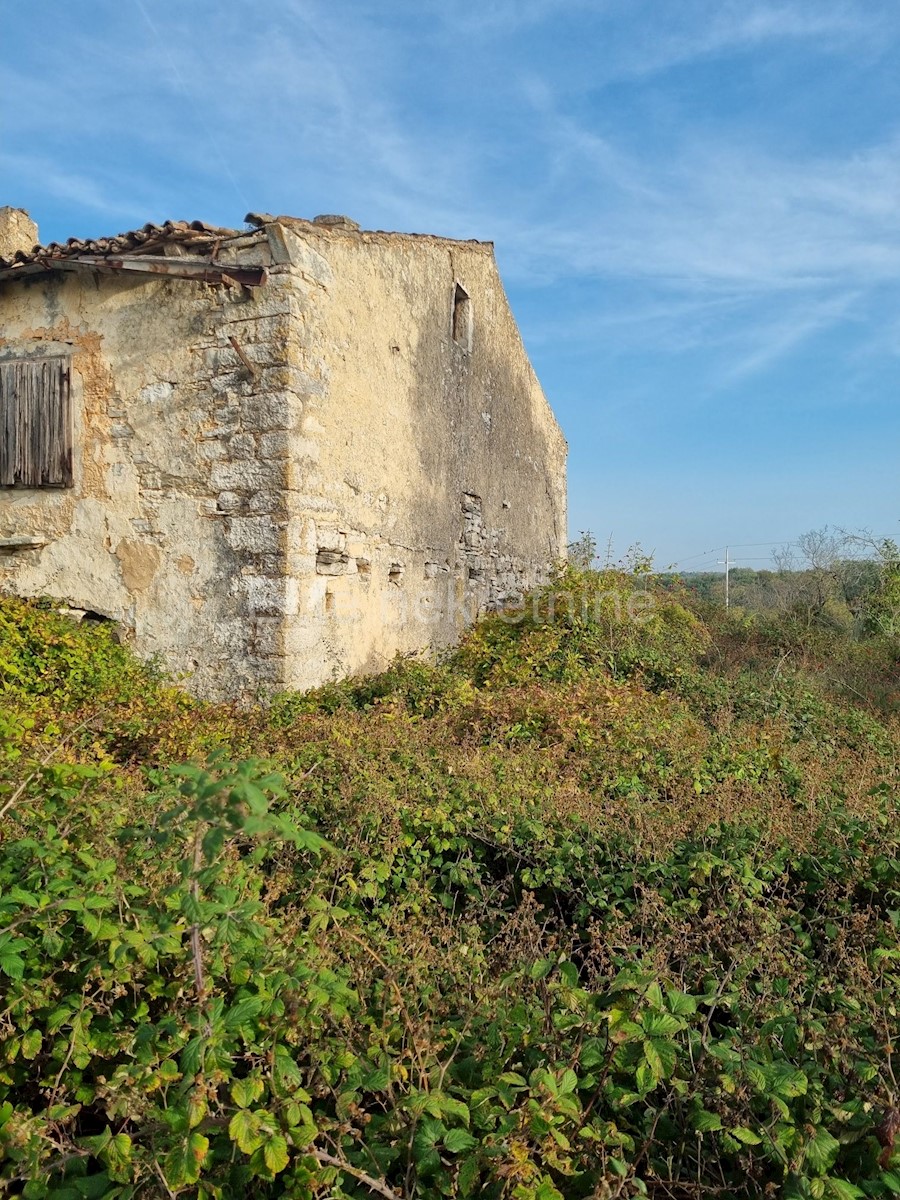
[146,264]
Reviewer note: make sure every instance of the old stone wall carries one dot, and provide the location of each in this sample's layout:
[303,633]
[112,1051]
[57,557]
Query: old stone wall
[177,521]
[428,480]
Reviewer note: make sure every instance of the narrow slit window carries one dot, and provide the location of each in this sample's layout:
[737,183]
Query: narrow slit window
[35,423]
[461,325]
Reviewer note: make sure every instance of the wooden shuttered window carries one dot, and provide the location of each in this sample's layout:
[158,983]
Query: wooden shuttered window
[35,423]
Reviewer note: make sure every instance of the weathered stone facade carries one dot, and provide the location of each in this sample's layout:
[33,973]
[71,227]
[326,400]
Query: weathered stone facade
[298,448]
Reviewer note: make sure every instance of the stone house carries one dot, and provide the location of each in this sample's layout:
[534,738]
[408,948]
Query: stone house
[276,455]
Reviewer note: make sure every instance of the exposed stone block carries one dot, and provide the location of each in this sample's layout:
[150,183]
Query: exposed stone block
[240,476]
[276,410]
[230,502]
[260,535]
[275,445]
[262,593]
[242,446]
[212,451]
[330,538]
[333,562]
[266,636]
[265,502]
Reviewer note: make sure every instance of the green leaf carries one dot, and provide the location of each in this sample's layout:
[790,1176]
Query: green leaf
[93,1187]
[660,1024]
[469,1172]
[654,997]
[568,1081]
[11,962]
[288,1073]
[457,1141]
[378,1079]
[242,1012]
[569,973]
[199,1148]
[31,1043]
[439,1104]
[821,1151]
[841,1189]
[706,1122]
[786,1081]
[191,1055]
[275,1153]
[213,841]
[680,1003]
[244,1129]
[183,1164]
[245,1092]
[757,1075]
[593,1053]
[428,1135]
[547,1190]
[654,1062]
[742,1134]
[646,1080]
[118,1157]
[197,1107]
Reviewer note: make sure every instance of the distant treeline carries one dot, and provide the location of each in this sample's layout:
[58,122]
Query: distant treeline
[844,581]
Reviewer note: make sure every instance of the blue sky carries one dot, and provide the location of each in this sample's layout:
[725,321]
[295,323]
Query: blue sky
[695,205]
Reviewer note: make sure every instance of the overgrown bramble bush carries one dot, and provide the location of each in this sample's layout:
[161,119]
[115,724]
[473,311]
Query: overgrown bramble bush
[591,909]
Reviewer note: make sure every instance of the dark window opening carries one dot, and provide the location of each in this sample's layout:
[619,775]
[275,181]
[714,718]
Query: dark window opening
[461,327]
[35,423]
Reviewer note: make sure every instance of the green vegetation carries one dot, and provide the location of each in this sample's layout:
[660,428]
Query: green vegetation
[827,578]
[605,905]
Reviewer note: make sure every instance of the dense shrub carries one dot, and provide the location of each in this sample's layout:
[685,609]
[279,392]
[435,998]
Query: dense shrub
[597,907]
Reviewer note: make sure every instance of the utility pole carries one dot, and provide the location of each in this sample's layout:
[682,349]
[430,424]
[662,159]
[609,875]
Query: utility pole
[726,563]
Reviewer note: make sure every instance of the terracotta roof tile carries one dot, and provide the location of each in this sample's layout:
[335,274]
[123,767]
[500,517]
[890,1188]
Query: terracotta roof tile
[150,239]
[196,237]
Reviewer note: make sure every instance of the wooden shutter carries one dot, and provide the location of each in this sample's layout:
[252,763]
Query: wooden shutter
[35,423]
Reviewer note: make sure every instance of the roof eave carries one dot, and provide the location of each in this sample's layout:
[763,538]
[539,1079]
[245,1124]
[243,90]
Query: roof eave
[149,265]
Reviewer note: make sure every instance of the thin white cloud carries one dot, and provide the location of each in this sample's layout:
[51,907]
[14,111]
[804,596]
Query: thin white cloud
[714,216]
[697,29]
[779,338]
[82,190]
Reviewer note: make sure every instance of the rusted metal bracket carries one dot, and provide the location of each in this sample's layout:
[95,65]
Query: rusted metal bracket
[240,352]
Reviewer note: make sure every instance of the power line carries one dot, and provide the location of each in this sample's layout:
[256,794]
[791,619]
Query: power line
[736,546]
[702,554]
[748,545]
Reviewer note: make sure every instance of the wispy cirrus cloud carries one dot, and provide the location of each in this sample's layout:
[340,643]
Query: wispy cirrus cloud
[708,212]
[703,30]
[82,189]
[776,338]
